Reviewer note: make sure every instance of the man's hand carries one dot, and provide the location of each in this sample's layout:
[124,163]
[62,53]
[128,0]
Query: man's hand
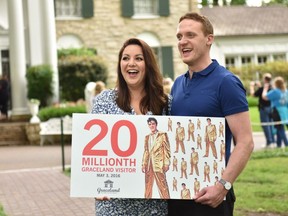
[212,196]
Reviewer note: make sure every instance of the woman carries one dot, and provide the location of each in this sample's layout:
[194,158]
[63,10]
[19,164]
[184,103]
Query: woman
[279,102]
[139,91]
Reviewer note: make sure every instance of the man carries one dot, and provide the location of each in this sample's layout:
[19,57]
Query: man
[199,141]
[174,184]
[206,172]
[210,138]
[194,159]
[264,108]
[196,186]
[175,164]
[183,168]
[169,124]
[222,150]
[185,192]
[215,167]
[208,89]
[156,160]
[191,130]
[179,137]
[221,129]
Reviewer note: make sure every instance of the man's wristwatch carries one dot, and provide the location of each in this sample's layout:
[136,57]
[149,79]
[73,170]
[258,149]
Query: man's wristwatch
[227,185]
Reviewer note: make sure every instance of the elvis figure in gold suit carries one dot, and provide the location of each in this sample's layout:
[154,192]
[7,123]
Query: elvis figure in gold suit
[210,138]
[156,160]
[180,136]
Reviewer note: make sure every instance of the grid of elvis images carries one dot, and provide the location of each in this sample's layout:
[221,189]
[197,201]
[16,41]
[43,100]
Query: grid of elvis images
[196,153]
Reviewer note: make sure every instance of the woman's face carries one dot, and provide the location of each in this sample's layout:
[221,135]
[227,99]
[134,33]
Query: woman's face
[133,66]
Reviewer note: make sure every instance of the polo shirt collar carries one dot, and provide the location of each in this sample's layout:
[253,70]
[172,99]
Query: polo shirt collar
[207,70]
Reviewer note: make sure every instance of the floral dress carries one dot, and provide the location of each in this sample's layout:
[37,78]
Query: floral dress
[105,103]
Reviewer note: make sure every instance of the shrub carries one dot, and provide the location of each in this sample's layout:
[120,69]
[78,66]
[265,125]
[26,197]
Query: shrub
[39,83]
[76,52]
[57,112]
[76,71]
[252,72]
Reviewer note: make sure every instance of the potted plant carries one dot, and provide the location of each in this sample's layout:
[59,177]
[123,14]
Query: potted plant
[34,109]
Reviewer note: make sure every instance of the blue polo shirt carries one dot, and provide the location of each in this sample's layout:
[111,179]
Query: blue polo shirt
[212,92]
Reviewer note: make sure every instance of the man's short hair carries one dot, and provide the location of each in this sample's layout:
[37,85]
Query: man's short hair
[152,119]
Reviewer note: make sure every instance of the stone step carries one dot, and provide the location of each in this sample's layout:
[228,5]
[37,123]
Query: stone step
[13,133]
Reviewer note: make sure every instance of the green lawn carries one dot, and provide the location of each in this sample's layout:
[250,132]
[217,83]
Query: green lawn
[2,211]
[255,119]
[263,187]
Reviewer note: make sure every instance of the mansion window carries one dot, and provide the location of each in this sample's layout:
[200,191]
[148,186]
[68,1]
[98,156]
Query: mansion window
[68,8]
[230,62]
[279,57]
[262,59]
[74,8]
[245,60]
[145,7]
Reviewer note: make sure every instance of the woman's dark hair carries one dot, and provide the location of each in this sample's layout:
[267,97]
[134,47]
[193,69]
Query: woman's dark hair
[155,99]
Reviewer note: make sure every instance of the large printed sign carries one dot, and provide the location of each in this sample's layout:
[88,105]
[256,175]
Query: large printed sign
[138,156]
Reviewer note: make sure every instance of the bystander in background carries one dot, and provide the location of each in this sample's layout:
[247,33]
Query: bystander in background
[278,97]
[99,87]
[4,97]
[167,85]
[264,108]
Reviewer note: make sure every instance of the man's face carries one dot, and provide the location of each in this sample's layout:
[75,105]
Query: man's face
[153,126]
[209,122]
[193,45]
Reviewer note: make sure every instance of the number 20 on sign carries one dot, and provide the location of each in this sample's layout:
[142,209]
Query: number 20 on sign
[91,150]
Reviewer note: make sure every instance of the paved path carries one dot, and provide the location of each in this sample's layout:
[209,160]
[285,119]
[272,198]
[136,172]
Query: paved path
[32,182]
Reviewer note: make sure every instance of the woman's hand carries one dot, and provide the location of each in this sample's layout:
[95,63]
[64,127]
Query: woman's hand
[102,198]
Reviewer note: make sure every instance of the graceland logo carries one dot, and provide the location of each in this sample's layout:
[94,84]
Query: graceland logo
[108,188]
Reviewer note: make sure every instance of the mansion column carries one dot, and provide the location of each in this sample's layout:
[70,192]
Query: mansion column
[17,58]
[50,43]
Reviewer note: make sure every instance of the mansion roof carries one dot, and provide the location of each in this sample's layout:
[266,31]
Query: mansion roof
[242,20]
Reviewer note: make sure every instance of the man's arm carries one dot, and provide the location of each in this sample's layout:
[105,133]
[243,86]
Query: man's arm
[242,134]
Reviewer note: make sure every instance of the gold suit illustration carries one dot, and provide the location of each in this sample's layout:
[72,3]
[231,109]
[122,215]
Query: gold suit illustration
[169,124]
[156,160]
[210,138]
[194,159]
[221,129]
[215,167]
[191,130]
[199,141]
[183,168]
[185,192]
[206,172]
[180,136]
[175,163]
[198,124]
[196,186]
[174,184]
[222,150]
